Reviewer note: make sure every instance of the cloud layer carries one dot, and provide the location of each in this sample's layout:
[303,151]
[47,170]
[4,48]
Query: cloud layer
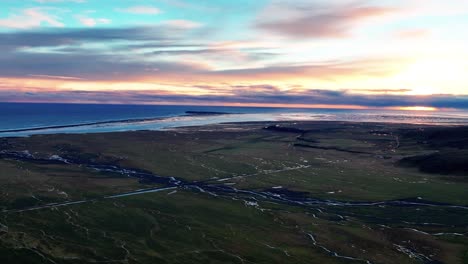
[343,52]
[309,19]
[258,95]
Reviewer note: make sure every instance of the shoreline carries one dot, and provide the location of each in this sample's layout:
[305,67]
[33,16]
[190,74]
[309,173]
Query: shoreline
[205,126]
[203,119]
[132,120]
[110,122]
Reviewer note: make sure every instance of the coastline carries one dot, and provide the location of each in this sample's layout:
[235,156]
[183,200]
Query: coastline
[46,129]
[202,118]
[133,120]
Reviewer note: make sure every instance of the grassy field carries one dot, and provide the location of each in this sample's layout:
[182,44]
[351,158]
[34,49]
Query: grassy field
[328,161]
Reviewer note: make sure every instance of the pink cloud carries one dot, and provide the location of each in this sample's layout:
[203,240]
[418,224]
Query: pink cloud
[30,18]
[310,20]
[91,22]
[184,24]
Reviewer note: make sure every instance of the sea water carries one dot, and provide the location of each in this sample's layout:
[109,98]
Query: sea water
[29,119]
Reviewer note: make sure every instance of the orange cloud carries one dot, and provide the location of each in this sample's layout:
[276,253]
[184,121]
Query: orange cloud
[411,33]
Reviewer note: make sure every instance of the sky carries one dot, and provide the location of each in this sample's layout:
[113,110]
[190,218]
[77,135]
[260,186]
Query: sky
[298,53]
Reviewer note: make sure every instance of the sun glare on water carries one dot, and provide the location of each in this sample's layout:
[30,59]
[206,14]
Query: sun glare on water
[417,108]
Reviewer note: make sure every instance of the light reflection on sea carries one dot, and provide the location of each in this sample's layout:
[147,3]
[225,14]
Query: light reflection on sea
[409,117]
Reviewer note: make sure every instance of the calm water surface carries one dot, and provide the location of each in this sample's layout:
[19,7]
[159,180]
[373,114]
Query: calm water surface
[15,116]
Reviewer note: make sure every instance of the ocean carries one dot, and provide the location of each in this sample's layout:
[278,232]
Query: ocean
[24,119]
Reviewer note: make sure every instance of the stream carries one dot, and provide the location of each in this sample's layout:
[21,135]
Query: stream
[224,188]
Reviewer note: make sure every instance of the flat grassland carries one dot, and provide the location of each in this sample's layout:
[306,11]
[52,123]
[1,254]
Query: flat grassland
[263,192]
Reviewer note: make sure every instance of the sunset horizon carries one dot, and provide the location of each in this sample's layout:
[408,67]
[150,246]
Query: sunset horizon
[355,54]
